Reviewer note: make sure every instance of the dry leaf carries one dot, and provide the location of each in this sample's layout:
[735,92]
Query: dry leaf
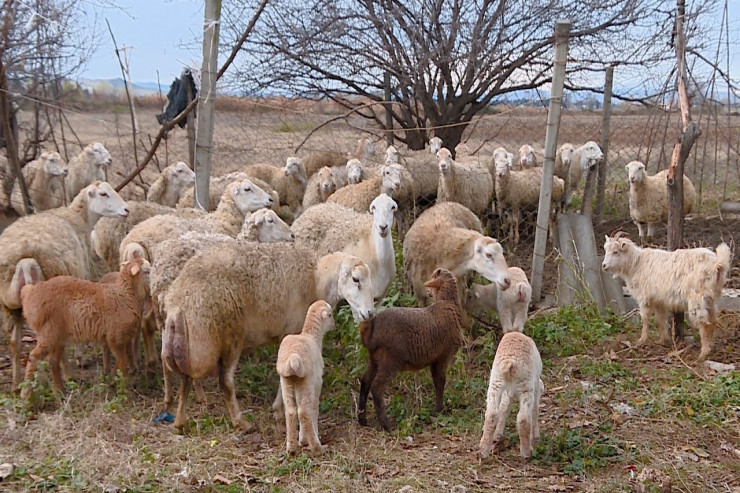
[222,480]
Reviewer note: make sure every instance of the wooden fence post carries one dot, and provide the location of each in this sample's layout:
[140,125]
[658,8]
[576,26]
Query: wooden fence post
[605,121]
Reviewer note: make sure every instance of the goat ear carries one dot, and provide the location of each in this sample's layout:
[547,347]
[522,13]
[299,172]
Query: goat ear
[135,268]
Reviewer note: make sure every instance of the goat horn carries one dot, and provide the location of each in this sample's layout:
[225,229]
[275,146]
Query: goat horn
[619,234]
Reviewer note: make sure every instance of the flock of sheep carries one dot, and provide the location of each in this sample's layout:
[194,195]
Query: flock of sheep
[217,284]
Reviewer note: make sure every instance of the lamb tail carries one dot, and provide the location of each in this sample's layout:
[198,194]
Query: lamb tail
[295,367]
[508,369]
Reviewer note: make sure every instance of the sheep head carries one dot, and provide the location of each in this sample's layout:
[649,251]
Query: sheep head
[103,200]
[444,160]
[526,156]
[391,155]
[635,172]
[293,166]
[98,154]
[354,171]
[327,182]
[181,174]
[391,178]
[248,197]
[354,285]
[500,155]
[319,318]
[617,252]
[591,155]
[139,271]
[270,228]
[435,144]
[443,285]
[566,154]
[53,164]
[503,165]
[383,209]
[488,260]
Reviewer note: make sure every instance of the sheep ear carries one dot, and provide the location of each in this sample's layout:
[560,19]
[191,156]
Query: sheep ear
[92,192]
[135,269]
[606,237]
[325,314]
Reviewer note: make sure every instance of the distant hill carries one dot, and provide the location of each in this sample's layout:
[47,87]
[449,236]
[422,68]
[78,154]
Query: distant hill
[115,86]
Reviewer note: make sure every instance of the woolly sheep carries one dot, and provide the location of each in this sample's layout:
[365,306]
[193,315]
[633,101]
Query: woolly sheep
[232,298]
[359,197]
[66,308]
[648,198]
[499,155]
[516,372]
[49,244]
[171,184]
[316,161]
[300,366]
[403,339]
[448,235]
[511,305]
[44,179]
[423,169]
[329,227]
[320,186]
[469,184]
[527,157]
[85,168]
[578,161]
[686,280]
[289,187]
[216,189]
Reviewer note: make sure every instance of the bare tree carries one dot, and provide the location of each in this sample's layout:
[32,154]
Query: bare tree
[448,59]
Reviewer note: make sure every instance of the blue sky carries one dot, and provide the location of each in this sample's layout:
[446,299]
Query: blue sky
[164,35]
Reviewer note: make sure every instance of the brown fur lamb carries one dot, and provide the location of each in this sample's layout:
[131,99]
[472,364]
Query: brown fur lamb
[66,308]
[411,339]
[300,366]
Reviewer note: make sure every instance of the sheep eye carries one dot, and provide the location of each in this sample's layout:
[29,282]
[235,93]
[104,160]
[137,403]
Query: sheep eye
[489,255]
[247,189]
[270,221]
[355,279]
[103,194]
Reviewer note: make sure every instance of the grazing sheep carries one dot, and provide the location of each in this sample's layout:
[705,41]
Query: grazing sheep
[411,339]
[685,280]
[327,228]
[49,244]
[44,179]
[511,305]
[467,183]
[320,186]
[171,184]
[239,198]
[318,160]
[527,157]
[448,235]
[648,198]
[516,372]
[232,298]
[289,182]
[66,308]
[300,366]
[359,197]
[519,191]
[89,165]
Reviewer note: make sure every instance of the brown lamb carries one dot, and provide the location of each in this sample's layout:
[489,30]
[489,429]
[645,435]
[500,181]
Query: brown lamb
[410,339]
[66,308]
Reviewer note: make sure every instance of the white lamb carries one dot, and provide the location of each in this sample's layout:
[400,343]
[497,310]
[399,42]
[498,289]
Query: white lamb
[88,166]
[511,304]
[300,366]
[685,280]
[516,372]
[172,182]
[648,198]
[468,183]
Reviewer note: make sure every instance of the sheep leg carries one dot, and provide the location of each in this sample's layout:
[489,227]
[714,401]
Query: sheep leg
[307,402]
[106,360]
[661,320]
[55,357]
[641,231]
[167,377]
[706,332]
[382,378]
[148,330]
[439,377]
[278,410]
[227,369]
[536,412]
[524,423]
[200,394]
[185,384]
[123,356]
[503,415]
[650,232]
[291,416]
[15,327]
[37,354]
[491,419]
[365,383]
[645,313]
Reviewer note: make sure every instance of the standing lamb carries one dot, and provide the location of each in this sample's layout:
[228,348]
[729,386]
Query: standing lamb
[511,305]
[685,280]
[89,165]
[648,198]
[300,366]
[171,184]
[232,298]
[44,179]
[410,339]
[66,308]
[49,244]
[516,372]
[467,183]
[327,228]
[448,235]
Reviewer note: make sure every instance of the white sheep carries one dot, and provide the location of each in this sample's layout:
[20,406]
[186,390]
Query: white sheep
[67,309]
[511,305]
[216,187]
[572,163]
[44,179]
[89,165]
[686,280]
[435,144]
[314,162]
[320,186]
[648,198]
[359,196]
[448,235]
[467,183]
[52,243]
[423,169]
[499,155]
[300,366]
[229,299]
[516,372]
[171,184]
[289,181]
[527,157]
[329,227]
